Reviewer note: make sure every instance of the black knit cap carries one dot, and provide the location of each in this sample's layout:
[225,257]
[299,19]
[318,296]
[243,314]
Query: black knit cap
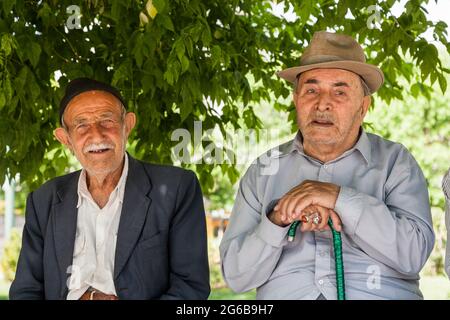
[80,85]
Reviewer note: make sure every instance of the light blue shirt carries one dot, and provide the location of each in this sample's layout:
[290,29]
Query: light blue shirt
[387,228]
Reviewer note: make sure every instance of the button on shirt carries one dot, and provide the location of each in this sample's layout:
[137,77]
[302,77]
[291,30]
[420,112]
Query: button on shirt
[387,228]
[95,241]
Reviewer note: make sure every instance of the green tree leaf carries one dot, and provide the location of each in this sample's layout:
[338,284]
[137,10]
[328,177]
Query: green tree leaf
[8,5]
[34,53]
[442,83]
[2,100]
[209,61]
[166,22]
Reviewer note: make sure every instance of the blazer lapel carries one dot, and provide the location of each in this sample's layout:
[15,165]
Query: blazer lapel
[64,229]
[136,203]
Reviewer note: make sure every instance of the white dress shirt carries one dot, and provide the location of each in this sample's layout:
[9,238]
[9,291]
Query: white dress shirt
[95,241]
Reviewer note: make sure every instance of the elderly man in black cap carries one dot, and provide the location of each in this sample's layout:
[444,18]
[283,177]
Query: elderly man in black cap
[372,189]
[119,228]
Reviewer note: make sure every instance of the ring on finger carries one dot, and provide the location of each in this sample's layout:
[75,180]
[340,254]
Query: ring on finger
[316,219]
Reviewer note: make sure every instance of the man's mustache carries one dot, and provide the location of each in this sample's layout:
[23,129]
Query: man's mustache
[323,117]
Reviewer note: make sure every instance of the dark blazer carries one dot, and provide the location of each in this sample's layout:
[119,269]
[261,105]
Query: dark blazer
[161,250]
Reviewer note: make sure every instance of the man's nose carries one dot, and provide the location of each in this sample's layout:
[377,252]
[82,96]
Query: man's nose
[96,130]
[324,102]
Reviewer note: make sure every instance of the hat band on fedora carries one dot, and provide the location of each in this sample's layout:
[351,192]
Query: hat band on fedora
[319,59]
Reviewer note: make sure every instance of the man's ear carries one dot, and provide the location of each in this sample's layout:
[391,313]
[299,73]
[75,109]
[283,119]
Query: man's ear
[367,100]
[294,98]
[130,122]
[62,136]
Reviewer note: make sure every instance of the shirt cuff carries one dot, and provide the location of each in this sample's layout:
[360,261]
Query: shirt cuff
[272,205]
[268,231]
[349,207]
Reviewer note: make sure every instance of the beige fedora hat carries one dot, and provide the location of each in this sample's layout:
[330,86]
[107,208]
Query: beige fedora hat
[336,51]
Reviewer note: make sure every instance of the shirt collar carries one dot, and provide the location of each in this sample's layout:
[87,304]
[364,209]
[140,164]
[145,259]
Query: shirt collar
[83,191]
[362,145]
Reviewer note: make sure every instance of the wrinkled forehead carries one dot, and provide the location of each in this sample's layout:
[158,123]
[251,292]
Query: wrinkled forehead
[93,102]
[329,76]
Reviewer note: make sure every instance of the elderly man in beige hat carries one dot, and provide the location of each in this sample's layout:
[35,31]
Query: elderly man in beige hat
[371,188]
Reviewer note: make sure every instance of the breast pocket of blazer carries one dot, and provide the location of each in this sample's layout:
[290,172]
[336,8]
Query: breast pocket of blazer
[155,241]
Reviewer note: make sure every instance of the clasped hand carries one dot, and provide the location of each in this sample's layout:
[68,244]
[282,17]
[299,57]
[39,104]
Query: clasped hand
[311,202]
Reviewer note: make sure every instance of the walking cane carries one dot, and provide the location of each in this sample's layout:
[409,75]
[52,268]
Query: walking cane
[339,263]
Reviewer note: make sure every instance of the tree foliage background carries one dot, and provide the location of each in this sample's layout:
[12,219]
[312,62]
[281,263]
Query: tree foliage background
[178,61]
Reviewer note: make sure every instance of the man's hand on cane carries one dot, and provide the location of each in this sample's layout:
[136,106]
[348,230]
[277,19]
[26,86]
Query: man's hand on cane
[312,202]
